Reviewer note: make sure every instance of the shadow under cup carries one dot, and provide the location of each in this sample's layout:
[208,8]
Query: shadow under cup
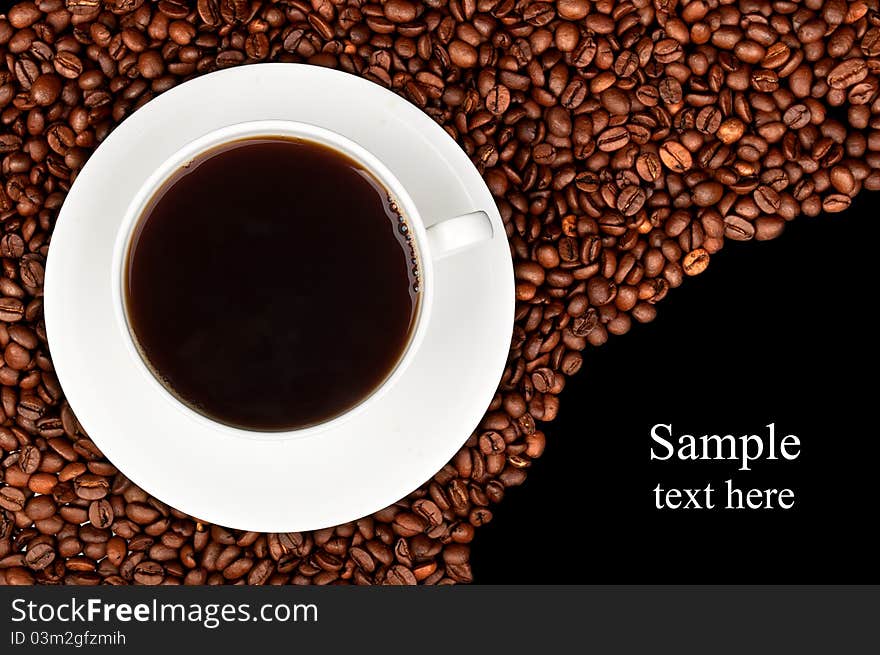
[271,281]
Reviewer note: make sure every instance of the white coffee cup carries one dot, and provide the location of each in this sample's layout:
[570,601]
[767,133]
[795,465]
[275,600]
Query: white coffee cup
[440,240]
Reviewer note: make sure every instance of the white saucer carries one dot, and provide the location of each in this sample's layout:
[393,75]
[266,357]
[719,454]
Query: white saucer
[267,483]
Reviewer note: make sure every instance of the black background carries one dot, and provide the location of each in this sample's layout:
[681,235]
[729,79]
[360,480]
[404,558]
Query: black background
[777,331]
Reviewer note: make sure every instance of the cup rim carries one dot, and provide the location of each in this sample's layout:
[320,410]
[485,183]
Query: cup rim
[274,128]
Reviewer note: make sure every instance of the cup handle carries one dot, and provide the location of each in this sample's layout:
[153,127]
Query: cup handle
[456,234]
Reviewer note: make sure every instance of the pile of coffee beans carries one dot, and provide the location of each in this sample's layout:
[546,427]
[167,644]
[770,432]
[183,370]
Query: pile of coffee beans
[624,141]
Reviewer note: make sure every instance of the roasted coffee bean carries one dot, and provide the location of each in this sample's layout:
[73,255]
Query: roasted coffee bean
[708,120]
[768,227]
[675,156]
[428,511]
[707,194]
[12,246]
[738,229]
[600,290]
[39,508]
[843,180]
[613,139]
[29,459]
[462,54]
[399,575]
[847,73]
[630,200]
[101,513]
[695,262]
[648,166]
[39,556]
[91,487]
[148,573]
[11,499]
[797,116]
[836,202]
[767,199]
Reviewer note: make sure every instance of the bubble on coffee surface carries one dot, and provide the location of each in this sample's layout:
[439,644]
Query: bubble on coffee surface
[406,233]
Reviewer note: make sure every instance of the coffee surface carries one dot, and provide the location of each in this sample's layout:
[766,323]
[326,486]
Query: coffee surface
[270,284]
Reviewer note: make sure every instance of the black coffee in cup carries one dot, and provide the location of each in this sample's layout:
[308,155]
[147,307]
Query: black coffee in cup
[271,284]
